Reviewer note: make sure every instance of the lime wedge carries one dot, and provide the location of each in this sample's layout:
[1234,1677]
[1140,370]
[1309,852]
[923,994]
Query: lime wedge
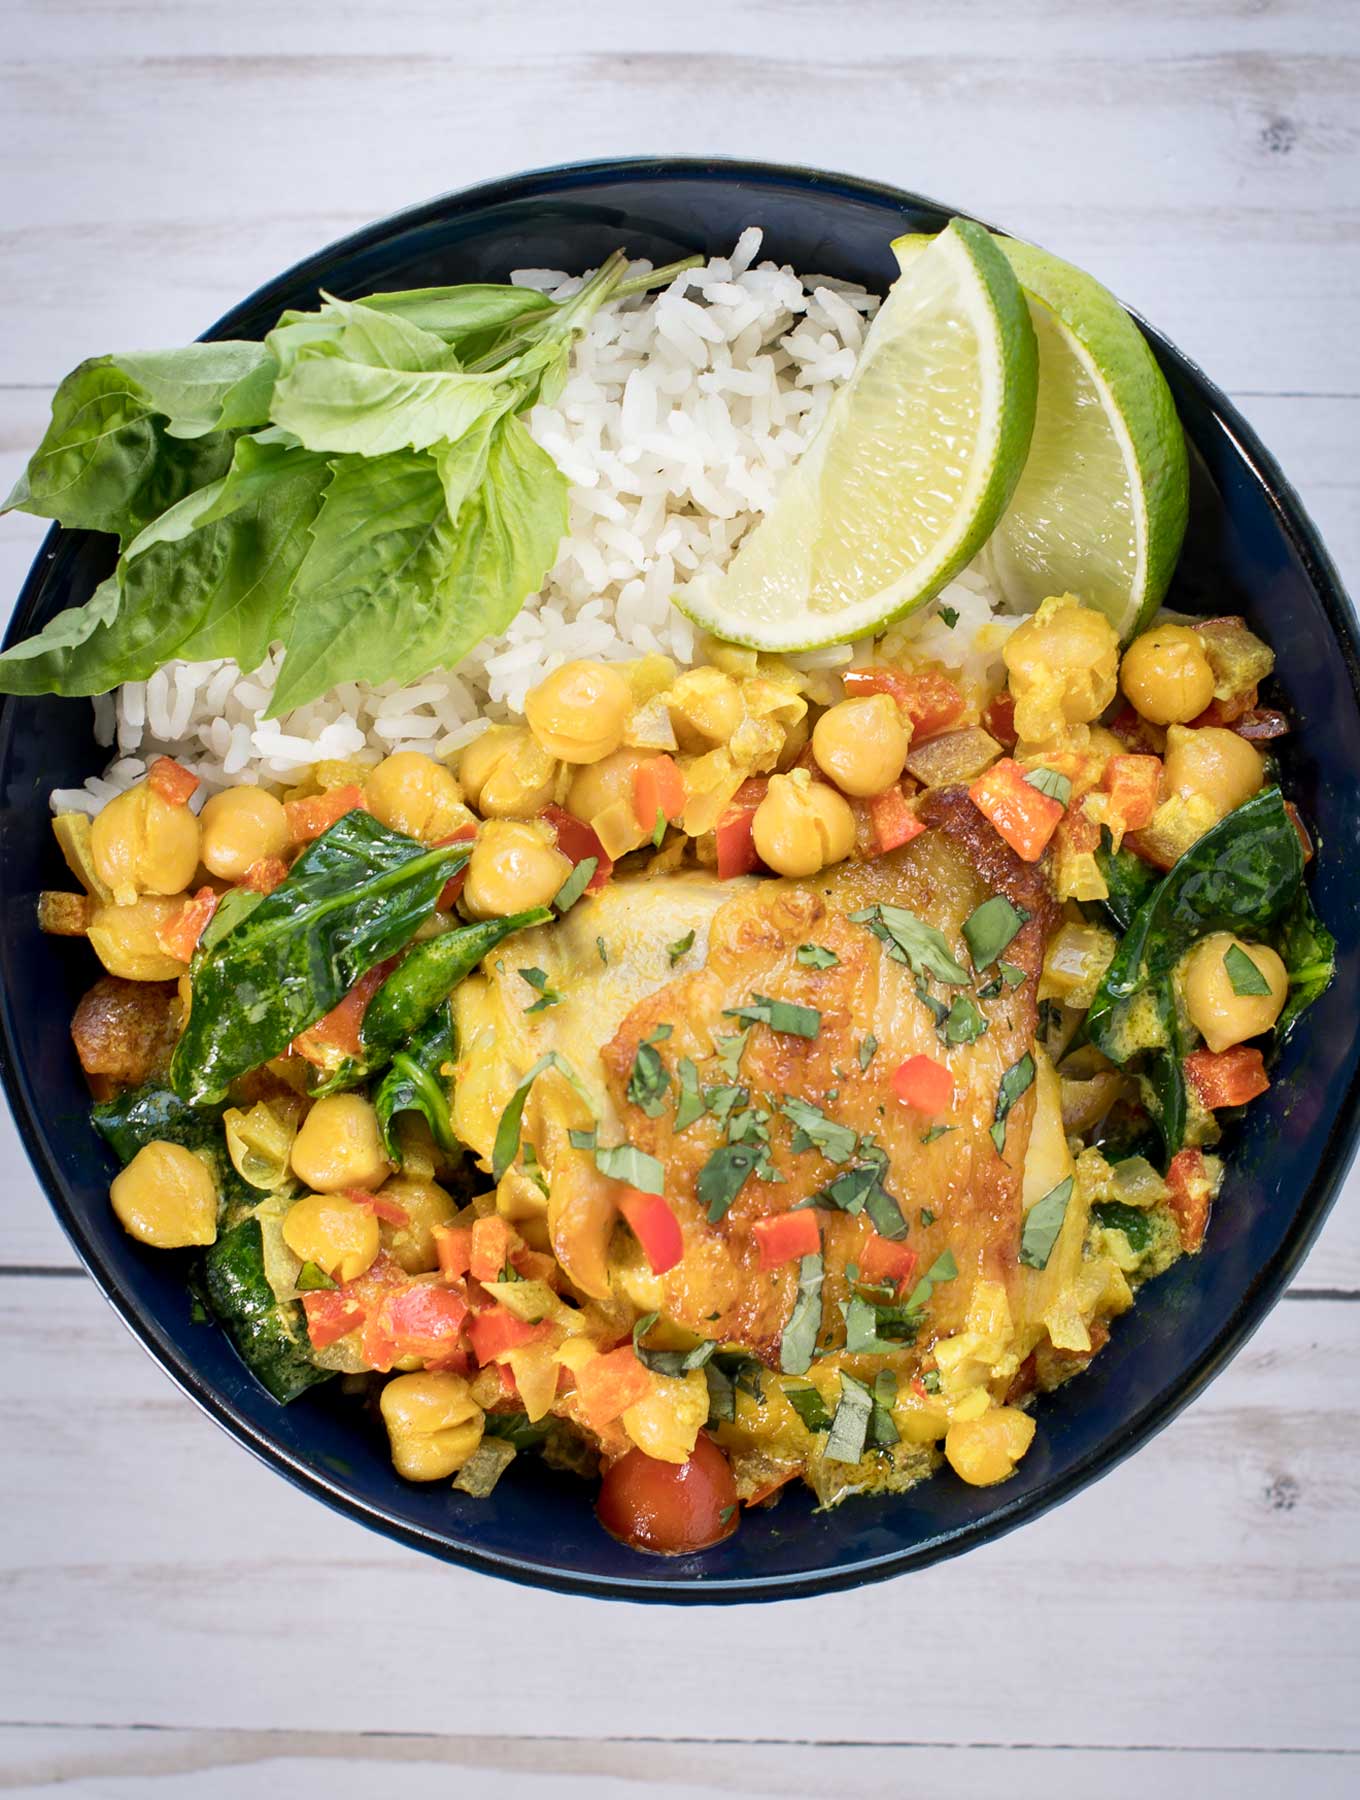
[1101,507]
[910,471]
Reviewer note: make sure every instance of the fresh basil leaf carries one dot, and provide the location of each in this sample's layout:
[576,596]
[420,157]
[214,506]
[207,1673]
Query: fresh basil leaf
[470,318]
[850,1423]
[988,930]
[674,1363]
[816,956]
[944,1268]
[419,1079]
[649,1080]
[1014,1083]
[861,1189]
[680,948]
[625,1162]
[810,1407]
[313,1280]
[575,885]
[1247,980]
[1308,951]
[722,1394]
[722,1102]
[689,1104]
[506,1146]
[1043,1222]
[1134,1221]
[728,1052]
[813,1130]
[1129,879]
[883,1432]
[868,1049]
[351,899]
[202,388]
[799,1340]
[909,940]
[779,1015]
[964,1024]
[516,1428]
[722,1176]
[1051,782]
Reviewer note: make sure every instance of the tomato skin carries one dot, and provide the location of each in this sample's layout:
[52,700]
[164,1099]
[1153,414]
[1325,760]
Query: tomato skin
[670,1509]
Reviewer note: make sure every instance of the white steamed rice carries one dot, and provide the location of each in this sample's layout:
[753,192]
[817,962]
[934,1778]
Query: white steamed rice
[681,412]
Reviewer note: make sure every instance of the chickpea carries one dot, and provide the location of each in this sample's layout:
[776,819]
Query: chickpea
[599,785]
[861,744]
[984,1451]
[166,1197]
[1166,675]
[124,938]
[142,844]
[706,707]
[335,1233]
[1063,665]
[1217,765]
[506,773]
[340,1146]
[241,826]
[413,793]
[578,713]
[1222,1015]
[513,866]
[802,825]
[433,1424]
[426,1205]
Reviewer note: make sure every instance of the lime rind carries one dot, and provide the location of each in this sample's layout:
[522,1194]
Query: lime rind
[792,584]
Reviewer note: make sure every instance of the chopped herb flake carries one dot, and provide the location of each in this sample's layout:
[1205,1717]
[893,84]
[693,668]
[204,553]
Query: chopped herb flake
[728,1052]
[313,1279]
[850,1425]
[809,1406]
[910,941]
[539,982]
[883,1433]
[1051,782]
[991,928]
[949,614]
[681,947]
[779,1015]
[659,830]
[690,1104]
[964,1024]
[1043,1222]
[576,883]
[649,1079]
[944,1268]
[506,1146]
[814,1131]
[928,1217]
[1245,976]
[721,1177]
[816,956]
[603,950]
[1012,974]
[799,1341]
[668,1362]
[868,1049]
[936,1131]
[861,1189]
[1014,1083]
[625,1162]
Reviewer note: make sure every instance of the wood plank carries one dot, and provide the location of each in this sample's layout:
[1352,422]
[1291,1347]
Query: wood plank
[1204,1595]
[212,1765]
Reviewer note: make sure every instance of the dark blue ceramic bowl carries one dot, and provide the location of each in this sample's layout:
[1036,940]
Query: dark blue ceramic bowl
[1250,550]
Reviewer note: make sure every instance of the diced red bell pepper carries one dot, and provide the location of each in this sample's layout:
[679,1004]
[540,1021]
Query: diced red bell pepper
[453,887]
[492,1240]
[787,1235]
[179,938]
[534,1265]
[386,1210]
[1189,1194]
[998,718]
[577,840]
[883,1262]
[453,1247]
[1023,816]
[418,1320]
[1227,1077]
[171,780]
[924,1084]
[658,792]
[894,821]
[930,700]
[307,819]
[264,876]
[338,1030]
[655,1227]
[496,1330]
[1133,784]
[608,1385]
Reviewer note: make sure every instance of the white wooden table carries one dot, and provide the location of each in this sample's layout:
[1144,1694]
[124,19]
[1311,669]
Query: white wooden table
[177,1620]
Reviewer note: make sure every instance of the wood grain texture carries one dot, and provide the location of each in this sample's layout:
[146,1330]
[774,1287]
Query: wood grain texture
[209,1594]
[206,1765]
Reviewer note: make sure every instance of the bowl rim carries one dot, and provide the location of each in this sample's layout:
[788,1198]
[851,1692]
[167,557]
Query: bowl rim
[696,1588]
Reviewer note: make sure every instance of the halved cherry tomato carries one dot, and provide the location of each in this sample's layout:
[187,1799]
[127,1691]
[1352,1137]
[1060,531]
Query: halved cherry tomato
[180,937]
[925,1084]
[576,840]
[670,1508]
[171,780]
[787,1235]
[655,1227]
[307,819]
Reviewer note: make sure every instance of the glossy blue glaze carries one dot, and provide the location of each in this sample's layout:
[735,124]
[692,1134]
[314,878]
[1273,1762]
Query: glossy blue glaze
[1250,550]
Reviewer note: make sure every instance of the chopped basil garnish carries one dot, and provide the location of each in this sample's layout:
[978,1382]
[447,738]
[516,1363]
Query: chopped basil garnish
[779,1015]
[883,1432]
[722,1102]
[625,1162]
[799,1341]
[928,1217]
[721,1177]
[604,953]
[538,980]
[910,941]
[816,956]
[1052,782]
[659,830]
[1014,1083]
[690,1104]
[850,1425]
[868,1050]
[725,1515]
[576,884]
[1246,978]
[861,1189]
[814,1131]
[930,1381]
[506,1146]
[312,1279]
[944,1268]
[681,947]
[1043,1222]
[722,1396]
[728,1052]
[809,1406]
[668,1362]
[950,615]
[936,1131]
[988,930]
[1012,974]
[963,1024]
[649,1079]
